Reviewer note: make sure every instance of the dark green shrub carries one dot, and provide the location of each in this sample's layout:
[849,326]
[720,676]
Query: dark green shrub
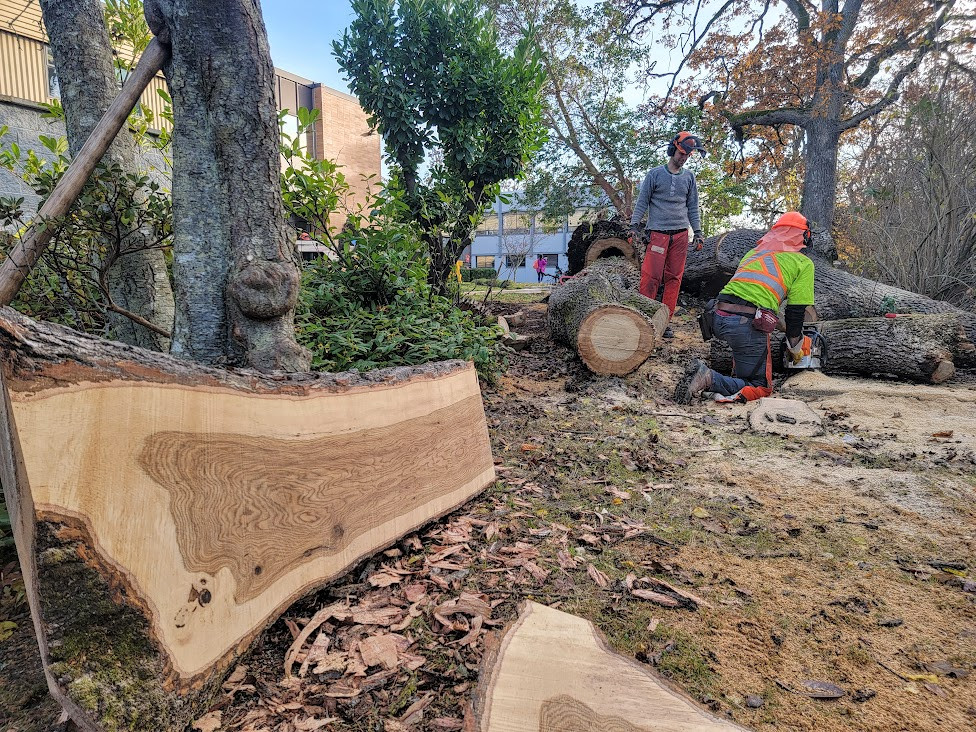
[478,273]
[370,306]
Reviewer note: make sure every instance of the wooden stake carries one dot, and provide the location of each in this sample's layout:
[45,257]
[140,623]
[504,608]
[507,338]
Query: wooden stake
[28,250]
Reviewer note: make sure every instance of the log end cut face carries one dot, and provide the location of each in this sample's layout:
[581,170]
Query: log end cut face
[611,247]
[615,340]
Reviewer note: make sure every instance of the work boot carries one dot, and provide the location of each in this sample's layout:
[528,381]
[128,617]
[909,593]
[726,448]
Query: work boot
[700,381]
[668,333]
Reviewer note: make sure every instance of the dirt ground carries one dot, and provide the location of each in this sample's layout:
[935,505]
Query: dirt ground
[836,565]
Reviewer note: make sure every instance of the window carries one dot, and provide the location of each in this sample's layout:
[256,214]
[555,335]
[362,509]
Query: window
[53,87]
[514,261]
[488,227]
[576,218]
[518,222]
[289,126]
[485,262]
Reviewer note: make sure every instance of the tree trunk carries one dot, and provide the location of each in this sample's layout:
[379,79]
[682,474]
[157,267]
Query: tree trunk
[601,314]
[820,179]
[187,507]
[918,348]
[837,294]
[234,257]
[137,281]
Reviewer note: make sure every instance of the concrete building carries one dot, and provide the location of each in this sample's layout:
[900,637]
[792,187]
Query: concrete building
[511,238]
[28,80]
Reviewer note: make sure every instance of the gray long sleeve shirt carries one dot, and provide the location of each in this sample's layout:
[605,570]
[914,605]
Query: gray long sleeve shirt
[669,199]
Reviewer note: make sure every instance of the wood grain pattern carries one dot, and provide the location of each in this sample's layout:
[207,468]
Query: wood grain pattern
[186,507]
[260,506]
[553,671]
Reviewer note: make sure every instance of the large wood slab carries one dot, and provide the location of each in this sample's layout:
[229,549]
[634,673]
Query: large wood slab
[553,672]
[165,513]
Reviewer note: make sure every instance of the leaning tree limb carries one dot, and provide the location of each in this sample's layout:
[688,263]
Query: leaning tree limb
[838,294]
[24,255]
[916,348]
[183,508]
[601,314]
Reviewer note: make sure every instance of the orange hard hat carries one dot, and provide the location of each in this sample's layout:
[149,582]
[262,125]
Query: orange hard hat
[793,218]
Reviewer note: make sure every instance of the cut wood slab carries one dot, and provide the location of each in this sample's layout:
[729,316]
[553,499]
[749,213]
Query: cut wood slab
[553,672]
[165,513]
[600,313]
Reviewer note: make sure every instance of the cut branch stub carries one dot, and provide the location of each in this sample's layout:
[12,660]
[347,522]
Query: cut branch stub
[186,507]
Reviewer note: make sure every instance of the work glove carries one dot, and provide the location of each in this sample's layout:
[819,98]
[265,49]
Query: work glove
[800,350]
[698,241]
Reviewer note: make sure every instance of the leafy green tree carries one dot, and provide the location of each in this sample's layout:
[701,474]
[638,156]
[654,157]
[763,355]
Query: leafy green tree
[438,88]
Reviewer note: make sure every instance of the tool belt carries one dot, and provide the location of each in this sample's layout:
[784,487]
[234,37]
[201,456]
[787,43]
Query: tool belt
[731,307]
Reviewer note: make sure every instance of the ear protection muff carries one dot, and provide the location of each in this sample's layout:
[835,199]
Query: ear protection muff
[807,236]
[672,147]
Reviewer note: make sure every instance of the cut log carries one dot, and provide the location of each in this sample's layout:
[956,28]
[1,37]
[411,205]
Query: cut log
[553,672]
[165,512]
[600,313]
[916,348]
[838,294]
[589,233]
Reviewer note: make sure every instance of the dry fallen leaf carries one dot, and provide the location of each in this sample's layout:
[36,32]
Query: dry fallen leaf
[945,434]
[208,722]
[597,576]
[529,447]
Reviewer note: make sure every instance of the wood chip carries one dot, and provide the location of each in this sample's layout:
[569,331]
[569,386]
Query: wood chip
[208,722]
[383,650]
[336,610]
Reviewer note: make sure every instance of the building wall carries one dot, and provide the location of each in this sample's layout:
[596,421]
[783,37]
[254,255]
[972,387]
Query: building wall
[343,136]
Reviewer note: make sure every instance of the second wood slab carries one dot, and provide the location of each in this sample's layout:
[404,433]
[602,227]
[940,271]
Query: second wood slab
[553,672]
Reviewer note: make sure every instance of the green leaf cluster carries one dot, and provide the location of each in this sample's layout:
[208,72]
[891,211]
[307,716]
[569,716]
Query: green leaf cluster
[368,306]
[436,85]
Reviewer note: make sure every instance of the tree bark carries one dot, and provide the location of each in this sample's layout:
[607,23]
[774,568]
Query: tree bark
[820,180]
[137,280]
[837,294]
[187,507]
[234,258]
[918,348]
[601,314]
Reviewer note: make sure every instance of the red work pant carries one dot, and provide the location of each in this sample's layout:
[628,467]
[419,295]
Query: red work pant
[664,260]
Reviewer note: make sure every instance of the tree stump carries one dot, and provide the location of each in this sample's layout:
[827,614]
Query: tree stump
[916,348]
[165,512]
[601,314]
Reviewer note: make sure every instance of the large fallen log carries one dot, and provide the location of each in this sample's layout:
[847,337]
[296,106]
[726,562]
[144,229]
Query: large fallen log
[165,513]
[838,294]
[600,313]
[553,672]
[597,239]
[916,348]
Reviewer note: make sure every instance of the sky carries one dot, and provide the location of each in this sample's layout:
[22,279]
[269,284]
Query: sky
[301,33]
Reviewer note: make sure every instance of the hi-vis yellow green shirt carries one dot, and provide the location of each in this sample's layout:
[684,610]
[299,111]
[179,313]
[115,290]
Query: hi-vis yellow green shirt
[767,278]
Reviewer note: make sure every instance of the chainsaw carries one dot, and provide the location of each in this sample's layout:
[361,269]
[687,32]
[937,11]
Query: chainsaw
[818,351]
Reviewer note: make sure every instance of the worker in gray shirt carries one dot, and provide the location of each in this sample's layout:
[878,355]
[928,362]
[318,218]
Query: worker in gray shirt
[669,197]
